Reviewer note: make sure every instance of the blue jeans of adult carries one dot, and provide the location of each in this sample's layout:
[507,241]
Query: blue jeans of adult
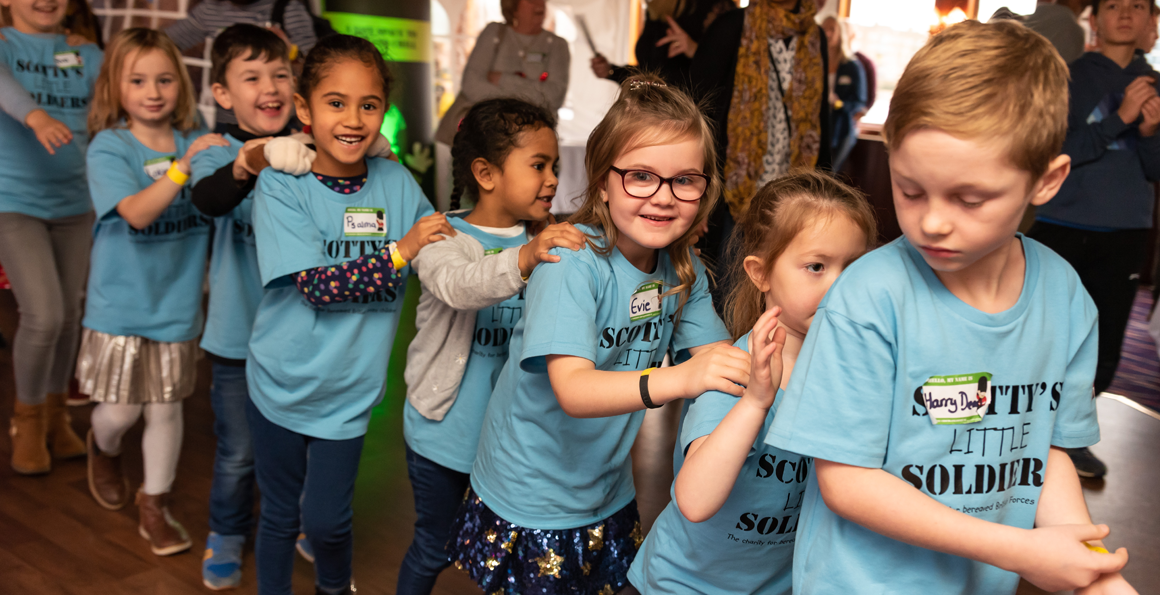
[305,482]
[438,493]
[231,497]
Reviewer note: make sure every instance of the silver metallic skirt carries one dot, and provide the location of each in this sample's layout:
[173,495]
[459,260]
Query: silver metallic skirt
[132,370]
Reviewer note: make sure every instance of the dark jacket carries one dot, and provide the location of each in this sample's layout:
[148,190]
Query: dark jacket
[656,60]
[1111,163]
[850,87]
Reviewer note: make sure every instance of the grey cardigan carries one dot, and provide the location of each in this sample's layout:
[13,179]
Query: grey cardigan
[457,282]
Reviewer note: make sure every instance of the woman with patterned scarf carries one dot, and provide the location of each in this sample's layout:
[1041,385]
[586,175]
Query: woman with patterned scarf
[762,73]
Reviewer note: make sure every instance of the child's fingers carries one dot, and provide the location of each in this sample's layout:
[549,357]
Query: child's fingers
[1113,562]
[48,146]
[1091,532]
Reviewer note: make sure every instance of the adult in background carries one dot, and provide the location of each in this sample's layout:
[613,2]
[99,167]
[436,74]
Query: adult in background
[762,72]
[848,95]
[210,17]
[517,58]
[668,40]
[1058,21]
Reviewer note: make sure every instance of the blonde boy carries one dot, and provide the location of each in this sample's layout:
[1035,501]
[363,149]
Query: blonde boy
[945,371]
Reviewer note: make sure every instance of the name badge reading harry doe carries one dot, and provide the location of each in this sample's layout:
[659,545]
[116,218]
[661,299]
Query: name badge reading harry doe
[958,399]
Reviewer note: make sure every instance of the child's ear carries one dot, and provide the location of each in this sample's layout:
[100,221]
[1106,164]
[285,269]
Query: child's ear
[222,95]
[755,269]
[482,170]
[1050,182]
[303,108]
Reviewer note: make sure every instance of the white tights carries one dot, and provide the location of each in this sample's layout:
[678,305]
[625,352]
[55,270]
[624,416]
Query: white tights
[160,444]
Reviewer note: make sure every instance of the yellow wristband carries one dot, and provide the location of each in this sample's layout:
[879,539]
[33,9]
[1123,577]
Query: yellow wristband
[293,52]
[396,258]
[1095,548]
[176,175]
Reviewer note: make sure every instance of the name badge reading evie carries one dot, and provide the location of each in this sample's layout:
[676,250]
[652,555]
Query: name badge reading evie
[958,399]
[645,302]
[364,222]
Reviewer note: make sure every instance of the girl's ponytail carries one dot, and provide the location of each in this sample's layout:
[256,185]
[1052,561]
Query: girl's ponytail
[490,131]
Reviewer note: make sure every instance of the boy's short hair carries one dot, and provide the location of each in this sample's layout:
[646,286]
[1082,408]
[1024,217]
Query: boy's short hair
[236,40]
[1096,6]
[999,80]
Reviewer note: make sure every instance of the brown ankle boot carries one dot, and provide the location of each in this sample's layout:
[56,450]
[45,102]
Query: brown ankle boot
[63,442]
[166,536]
[29,444]
[107,483]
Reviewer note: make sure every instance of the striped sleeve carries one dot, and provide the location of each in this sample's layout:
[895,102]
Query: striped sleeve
[189,31]
[299,26]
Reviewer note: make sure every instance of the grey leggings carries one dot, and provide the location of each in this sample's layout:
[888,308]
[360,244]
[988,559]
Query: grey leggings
[47,261]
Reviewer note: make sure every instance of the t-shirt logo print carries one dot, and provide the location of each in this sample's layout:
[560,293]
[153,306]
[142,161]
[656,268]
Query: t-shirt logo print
[646,301]
[957,399]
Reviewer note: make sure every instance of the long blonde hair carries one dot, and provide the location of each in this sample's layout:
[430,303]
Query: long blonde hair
[777,214]
[107,111]
[647,113]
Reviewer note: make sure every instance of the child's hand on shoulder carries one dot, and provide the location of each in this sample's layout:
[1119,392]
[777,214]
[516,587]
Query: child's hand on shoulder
[723,368]
[1055,558]
[562,235]
[765,368]
[1108,584]
[51,133]
[202,143]
[425,231]
[251,159]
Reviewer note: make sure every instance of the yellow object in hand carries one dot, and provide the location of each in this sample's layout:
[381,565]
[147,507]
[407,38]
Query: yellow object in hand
[1095,548]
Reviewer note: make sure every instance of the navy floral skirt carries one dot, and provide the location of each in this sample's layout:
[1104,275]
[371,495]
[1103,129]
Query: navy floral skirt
[505,558]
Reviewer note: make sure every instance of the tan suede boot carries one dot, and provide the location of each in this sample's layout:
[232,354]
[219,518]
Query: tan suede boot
[29,444]
[166,536]
[107,483]
[63,442]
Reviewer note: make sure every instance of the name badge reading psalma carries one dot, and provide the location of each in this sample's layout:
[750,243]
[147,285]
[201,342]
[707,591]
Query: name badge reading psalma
[364,222]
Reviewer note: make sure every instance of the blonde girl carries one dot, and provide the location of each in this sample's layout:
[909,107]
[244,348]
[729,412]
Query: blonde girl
[143,308]
[732,523]
[552,504]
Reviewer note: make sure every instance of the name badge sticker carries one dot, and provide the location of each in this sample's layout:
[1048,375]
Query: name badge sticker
[491,251]
[68,60]
[645,302]
[958,399]
[155,168]
[364,222]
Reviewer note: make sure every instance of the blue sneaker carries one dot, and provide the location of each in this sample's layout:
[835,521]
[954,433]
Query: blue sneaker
[221,567]
[304,549]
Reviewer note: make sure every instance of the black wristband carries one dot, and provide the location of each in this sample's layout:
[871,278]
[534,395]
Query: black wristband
[644,389]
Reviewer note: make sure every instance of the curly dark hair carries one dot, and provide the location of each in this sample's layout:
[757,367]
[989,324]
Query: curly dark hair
[489,131]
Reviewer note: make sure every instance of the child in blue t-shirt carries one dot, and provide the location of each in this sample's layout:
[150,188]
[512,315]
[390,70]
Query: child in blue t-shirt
[552,505]
[732,521]
[945,372]
[473,295]
[45,220]
[332,248]
[138,350]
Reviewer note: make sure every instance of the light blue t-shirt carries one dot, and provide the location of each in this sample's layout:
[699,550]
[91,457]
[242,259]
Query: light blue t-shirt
[891,349]
[235,286]
[145,282]
[60,79]
[452,441]
[747,547]
[538,467]
[314,370]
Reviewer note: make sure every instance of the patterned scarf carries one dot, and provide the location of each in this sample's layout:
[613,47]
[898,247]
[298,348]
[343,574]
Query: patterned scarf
[749,110]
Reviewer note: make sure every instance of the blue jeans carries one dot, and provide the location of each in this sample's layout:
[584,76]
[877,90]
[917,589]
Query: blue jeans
[309,483]
[438,493]
[231,499]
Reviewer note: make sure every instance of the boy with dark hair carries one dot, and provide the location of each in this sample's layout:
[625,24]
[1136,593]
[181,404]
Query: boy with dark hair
[251,76]
[1100,220]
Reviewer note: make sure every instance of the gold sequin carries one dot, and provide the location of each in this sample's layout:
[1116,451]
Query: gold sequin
[510,544]
[607,590]
[596,538]
[492,563]
[636,535]
[586,568]
[550,564]
[458,565]
[490,535]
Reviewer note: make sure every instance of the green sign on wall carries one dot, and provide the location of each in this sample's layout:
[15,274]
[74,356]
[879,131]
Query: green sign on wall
[400,40]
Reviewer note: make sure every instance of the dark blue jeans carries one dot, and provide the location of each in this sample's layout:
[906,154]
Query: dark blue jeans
[309,483]
[438,493]
[231,499]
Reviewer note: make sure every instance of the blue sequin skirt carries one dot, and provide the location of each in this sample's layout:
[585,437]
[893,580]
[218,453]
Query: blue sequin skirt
[505,558]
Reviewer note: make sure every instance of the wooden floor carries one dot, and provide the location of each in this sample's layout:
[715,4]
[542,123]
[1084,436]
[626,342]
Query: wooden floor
[55,540]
